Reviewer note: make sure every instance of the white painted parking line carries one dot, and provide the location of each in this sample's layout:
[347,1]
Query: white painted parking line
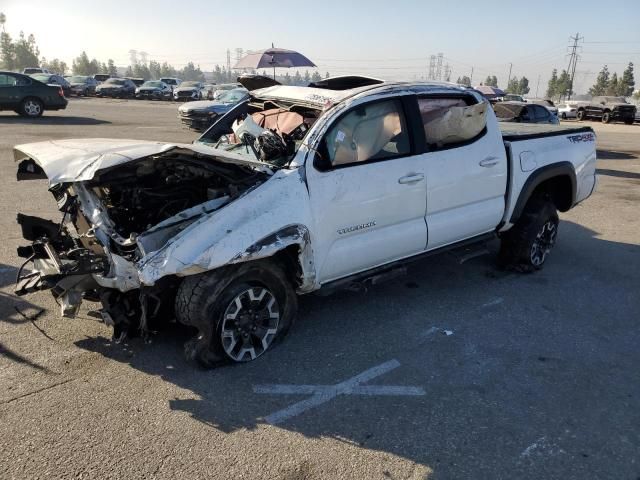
[323,393]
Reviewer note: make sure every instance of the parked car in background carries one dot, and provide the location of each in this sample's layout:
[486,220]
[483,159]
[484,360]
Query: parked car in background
[548,104]
[154,90]
[510,97]
[101,77]
[637,117]
[566,111]
[224,87]
[200,115]
[608,109]
[136,81]
[207,91]
[55,80]
[116,88]
[524,113]
[32,70]
[82,85]
[188,91]
[171,81]
[27,96]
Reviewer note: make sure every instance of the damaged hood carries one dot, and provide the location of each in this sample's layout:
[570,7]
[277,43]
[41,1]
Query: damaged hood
[78,160]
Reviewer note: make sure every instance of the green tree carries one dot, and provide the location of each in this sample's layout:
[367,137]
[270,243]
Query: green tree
[191,72]
[602,82]
[552,86]
[155,70]
[297,78]
[111,68]
[316,77]
[491,81]
[464,80]
[627,81]
[523,86]
[25,52]
[613,85]
[307,78]
[3,20]
[55,65]
[564,85]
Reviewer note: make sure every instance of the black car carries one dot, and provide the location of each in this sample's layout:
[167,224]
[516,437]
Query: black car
[524,112]
[116,88]
[200,115]
[27,96]
[154,90]
[82,85]
[607,109]
[53,79]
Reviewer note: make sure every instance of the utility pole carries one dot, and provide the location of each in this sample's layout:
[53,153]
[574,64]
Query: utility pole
[573,62]
[537,86]
[432,68]
[509,79]
[471,77]
[439,67]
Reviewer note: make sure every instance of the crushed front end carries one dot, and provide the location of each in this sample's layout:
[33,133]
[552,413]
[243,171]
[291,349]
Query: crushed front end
[115,219]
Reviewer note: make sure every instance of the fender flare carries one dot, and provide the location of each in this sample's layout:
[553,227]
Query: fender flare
[541,175]
[279,240]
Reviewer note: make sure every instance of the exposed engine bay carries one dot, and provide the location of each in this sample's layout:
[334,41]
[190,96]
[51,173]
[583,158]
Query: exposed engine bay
[112,221]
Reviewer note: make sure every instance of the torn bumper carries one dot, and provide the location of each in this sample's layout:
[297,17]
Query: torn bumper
[55,261]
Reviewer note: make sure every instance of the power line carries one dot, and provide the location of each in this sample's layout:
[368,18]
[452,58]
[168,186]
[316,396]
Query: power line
[573,62]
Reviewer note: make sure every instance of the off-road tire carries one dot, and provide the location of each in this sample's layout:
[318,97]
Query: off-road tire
[203,302]
[581,115]
[525,247]
[31,107]
[606,117]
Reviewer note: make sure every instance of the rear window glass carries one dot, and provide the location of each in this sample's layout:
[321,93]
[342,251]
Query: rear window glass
[449,121]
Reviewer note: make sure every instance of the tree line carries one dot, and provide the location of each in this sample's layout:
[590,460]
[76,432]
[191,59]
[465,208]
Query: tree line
[18,54]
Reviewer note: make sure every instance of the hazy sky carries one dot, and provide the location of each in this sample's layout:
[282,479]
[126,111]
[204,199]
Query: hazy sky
[388,39]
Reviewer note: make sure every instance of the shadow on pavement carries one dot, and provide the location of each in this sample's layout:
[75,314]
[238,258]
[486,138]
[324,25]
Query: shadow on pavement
[618,173]
[50,120]
[504,378]
[613,155]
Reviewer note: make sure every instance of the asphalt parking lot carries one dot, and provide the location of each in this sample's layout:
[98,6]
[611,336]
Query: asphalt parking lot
[456,371]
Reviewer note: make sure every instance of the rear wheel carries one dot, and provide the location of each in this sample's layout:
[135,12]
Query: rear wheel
[581,115]
[31,107]
[563,116]
[606,117]
[240,312]
[629,121]
[527,245]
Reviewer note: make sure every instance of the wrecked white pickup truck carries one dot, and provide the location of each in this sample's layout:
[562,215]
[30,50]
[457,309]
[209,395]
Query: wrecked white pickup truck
[295,190]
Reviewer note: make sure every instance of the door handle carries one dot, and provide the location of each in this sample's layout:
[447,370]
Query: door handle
[489,162]
[411,178]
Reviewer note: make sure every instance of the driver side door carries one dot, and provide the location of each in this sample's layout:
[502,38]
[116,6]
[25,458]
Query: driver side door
[367,189]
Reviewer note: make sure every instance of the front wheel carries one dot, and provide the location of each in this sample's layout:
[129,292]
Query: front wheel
[563,116]
[31,107]
[527,245]
[581,115]
[240,312]
[606,117]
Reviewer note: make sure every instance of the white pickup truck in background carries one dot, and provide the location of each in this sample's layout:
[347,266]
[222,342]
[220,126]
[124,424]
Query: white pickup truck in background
[295,190]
